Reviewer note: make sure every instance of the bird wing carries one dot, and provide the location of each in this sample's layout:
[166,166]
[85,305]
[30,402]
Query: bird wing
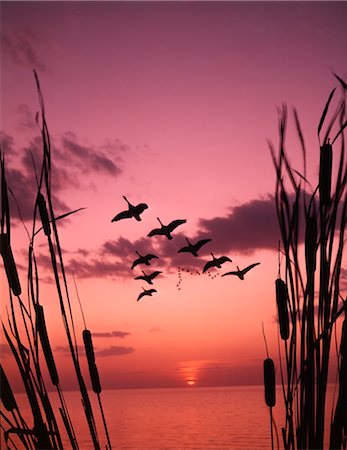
[199,244]
[122,215]
[175,223]
[246,269]
[141,295]
[150,256]
[154,274]
[155,231]
[151,291]
[185,249]
[140,277]
[230,273]
[208,265]
[136,262]
[223,259]
[141,207]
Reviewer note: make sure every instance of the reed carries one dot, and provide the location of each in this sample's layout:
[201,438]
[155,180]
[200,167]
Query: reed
[25,325]
[309,298]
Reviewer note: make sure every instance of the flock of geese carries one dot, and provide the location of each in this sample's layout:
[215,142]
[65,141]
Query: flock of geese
[166,230]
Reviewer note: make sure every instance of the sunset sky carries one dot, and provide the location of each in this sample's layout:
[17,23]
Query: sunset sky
[170,104]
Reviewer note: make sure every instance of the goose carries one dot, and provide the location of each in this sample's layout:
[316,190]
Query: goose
[241,273]
[133,211]
[149,277]
[143,259]
[166,230]
[146,292]
[216,262]
[193,248]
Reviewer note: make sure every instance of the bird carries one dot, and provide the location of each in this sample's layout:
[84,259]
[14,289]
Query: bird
[216,262]
[143,259]
[241,273]
[149,277]
[133,211]
[166,230]
[146,292]
[193,248]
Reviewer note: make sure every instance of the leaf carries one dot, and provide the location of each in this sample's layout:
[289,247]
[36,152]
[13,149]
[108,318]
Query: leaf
[60,217]
[325,111]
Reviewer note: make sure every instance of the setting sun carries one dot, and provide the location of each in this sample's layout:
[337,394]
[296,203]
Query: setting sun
[191,382]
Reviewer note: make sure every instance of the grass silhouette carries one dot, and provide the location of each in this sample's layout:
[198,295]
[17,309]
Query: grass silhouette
[30,317]
[309,302]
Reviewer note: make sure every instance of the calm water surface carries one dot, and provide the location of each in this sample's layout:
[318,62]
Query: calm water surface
[228,418]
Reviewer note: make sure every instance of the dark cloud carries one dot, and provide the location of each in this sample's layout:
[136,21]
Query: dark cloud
[70,162]
[111,334]
[248,227]
[21,49]
[26,118]
[89,158]
[114,351]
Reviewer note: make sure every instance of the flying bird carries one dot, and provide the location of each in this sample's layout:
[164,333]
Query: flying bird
[149,277]
[193,248]
[166,230]
[241,273]
[146,292]
[216,262]
[143,259]
[133,211]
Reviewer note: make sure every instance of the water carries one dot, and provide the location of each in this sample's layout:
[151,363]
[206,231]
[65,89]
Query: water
[223,418]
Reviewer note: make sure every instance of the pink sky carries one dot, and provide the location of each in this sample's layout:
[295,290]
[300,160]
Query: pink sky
[170,104]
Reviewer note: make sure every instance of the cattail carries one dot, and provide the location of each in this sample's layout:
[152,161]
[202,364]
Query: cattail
[282,308]
[311,245]
[6,393]
[43,214]
[325,168]
[88,345]
[93,370]
[269,382]
[10,265]
[94,376]
[46,347]
[343,346]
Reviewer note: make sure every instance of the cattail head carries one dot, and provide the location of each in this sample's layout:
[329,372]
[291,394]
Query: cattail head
[311,245]
[325,168]
[88,345]
[43,214]
[46,347]
[6,393]
[269,382]
[93,370]
[10,265]
[282,308]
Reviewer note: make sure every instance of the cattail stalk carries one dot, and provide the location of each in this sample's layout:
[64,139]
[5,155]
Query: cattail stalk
[6,393]
[325,169]
[10,265]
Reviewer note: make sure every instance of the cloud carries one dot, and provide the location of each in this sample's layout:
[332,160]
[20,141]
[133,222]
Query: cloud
[20,47]
[26,118]
[247,228]
[111,334]
[90,158]
[114,351]
[70,162]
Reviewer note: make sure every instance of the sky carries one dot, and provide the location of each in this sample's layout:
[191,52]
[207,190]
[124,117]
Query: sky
[169,104]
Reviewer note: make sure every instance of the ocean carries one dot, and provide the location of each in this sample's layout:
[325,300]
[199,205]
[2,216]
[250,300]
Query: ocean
[216,418]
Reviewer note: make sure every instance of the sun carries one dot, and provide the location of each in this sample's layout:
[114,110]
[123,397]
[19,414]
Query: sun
[191,382]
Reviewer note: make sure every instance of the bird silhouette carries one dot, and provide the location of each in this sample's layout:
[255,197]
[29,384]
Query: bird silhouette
[146,292]
[193,248]
[216,262]
[241,273]
[149,277]
[133,211]
[166,230]
[143,259]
